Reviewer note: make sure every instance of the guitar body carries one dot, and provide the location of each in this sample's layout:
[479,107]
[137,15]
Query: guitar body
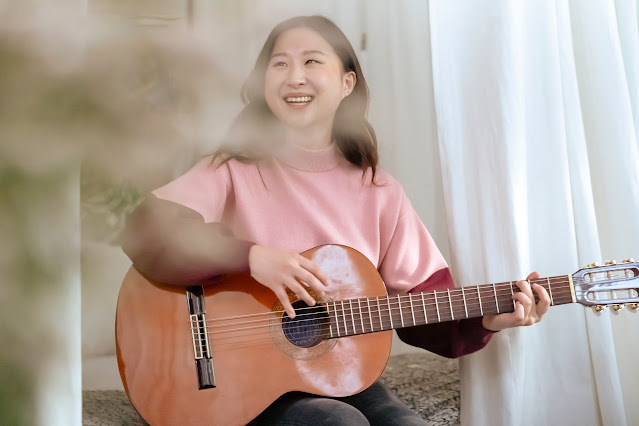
[254,360]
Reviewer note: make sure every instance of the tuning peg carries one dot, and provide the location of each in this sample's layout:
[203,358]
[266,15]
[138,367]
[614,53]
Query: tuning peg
[629,260]
[598,308]
[616,307]
[611,262]
[633,306]
[592,265]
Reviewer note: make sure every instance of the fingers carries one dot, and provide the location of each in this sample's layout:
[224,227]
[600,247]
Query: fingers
[525,297]
[299,291]
[532,276]
[532,312]
[282,295]
[544,300]
[312,267]
[522,308]
[311,281]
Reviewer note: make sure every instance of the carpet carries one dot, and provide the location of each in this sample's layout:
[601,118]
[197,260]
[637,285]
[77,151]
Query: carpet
[427,383]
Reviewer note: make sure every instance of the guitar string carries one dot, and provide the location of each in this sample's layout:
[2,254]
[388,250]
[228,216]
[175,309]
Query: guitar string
[455,297]
[409,307]
[457,289]
[233,339]
[366,311]
[348,315]
[349,330]
[344,314]
[561,284]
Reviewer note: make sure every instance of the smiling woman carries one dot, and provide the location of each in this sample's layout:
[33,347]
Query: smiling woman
[298,174]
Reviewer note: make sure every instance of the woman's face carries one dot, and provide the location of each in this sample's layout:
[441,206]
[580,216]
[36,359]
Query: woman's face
[305,82]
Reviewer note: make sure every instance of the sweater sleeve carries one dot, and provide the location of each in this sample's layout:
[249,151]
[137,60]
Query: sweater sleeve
[176,236]
[413,264]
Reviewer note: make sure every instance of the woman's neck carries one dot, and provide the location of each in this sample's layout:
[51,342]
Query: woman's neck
[313,138]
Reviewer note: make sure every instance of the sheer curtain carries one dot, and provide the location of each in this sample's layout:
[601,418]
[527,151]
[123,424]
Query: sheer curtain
[536,106]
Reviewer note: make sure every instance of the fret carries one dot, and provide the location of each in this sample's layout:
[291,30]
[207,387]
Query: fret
[381,325]
[350,302]
[450,303]
[328,313]
[361,317]
[464,298]
[437,306]
[344,318]
[424,305]
[412,311]
[390,312]
[401,314]
[481,309]
[552,302]
[370,316]
[336,318]
[496,302]
[512,292]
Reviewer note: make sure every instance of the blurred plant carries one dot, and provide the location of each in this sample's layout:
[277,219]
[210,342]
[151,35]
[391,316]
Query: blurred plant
[120,104]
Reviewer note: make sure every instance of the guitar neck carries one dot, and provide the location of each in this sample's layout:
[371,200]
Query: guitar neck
[368,315]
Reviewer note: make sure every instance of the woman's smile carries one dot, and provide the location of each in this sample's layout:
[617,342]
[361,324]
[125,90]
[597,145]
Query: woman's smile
[298,101]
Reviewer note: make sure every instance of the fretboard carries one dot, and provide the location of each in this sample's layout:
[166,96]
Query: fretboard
[367,315]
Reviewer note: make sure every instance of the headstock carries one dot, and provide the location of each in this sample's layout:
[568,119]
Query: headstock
[614,284]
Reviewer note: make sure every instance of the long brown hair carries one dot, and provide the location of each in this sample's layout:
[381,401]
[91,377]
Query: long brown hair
[255,127]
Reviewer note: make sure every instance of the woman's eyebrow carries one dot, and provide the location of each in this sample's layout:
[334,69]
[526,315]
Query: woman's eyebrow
[306,52]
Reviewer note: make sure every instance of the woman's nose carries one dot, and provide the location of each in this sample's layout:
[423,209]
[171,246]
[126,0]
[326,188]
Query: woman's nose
[296,76]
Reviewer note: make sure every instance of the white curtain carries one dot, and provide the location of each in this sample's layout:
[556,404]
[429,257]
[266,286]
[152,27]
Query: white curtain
[512,126]
[536,106]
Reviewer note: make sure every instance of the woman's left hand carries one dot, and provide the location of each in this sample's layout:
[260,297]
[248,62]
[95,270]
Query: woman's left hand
[527,312]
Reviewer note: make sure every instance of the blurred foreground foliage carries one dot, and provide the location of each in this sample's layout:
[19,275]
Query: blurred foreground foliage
[85,108]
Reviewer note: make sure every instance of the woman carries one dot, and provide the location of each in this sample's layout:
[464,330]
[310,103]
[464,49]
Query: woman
[299,170]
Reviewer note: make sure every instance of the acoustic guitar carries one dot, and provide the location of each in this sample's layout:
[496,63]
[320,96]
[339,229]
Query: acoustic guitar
[221,352]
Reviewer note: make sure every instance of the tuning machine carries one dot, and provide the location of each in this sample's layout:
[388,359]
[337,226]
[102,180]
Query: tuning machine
[630,260]
[610,262]
[633,306]
[592,265]
[616,307]
[599,308]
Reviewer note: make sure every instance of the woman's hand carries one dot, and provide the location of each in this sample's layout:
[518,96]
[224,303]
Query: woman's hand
[279,270]
[527,312]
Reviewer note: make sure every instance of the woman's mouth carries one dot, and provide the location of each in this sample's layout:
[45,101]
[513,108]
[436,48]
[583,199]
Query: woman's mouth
[300,100]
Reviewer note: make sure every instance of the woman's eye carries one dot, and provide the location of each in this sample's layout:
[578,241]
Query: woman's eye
[279,64]
[312,61]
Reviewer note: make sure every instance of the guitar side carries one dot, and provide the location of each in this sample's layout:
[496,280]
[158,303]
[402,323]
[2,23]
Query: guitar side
[254,363]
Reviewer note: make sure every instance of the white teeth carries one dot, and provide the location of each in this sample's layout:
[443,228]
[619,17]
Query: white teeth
[299,99]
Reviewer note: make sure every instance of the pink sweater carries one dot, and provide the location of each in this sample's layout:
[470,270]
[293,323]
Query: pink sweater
[310,198]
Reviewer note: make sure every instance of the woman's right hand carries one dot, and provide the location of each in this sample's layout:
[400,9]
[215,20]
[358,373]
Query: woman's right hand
[279,270]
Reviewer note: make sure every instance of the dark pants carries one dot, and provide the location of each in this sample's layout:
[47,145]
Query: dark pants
[374,406]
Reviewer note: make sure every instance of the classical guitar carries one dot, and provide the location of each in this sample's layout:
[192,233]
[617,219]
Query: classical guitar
[221,352]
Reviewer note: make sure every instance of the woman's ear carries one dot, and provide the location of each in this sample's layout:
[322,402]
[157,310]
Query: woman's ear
[349,81]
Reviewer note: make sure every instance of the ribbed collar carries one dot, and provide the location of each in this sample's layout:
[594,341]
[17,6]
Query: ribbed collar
[311,160]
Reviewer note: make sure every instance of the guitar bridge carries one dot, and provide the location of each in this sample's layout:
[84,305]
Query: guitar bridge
[200,337]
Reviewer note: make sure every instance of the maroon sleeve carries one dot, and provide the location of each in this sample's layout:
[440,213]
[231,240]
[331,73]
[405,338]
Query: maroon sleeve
[450,339]
[172,244]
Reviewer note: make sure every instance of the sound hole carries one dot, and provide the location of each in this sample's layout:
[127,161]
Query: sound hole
[305,330]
